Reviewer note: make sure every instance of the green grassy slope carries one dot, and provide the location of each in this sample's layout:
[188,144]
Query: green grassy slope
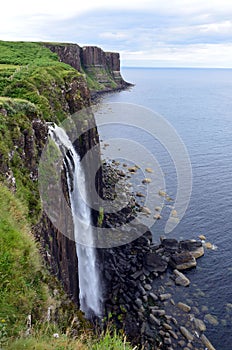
[22,291]
[32,85]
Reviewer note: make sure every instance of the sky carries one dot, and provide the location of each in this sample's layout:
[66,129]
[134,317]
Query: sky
[148,33]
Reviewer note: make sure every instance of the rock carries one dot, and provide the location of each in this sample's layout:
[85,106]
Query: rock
[138,302]
[199,324]
[182,261]
[167,341]
[167,326]
[207,343]
[121,173]
[157,216]
[145,298]
[164,297]
[146,181]
[156,262]
[181,343]
[170,244]
[158,312]
[154,320]
[141,289]
[208,245]
[202,237]
[174,213]
[192,246]
[181,279]
[132,169]
[184,307]
[204,308]
[173,334]
[147,287]
[146,210]
[211,319]
[149,170]
[186,333]
[153,296]
[140,194]
[195,310]
[229,306]
[162,193]
[158,208]
[137,274]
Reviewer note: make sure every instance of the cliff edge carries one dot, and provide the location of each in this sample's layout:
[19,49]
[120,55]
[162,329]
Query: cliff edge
[101,69]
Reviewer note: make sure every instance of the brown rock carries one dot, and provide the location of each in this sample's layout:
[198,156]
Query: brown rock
[146,181]
[184,307]
[181,279]
[186,333]
[192,246]
[199,324]
[183,261]
[207,343]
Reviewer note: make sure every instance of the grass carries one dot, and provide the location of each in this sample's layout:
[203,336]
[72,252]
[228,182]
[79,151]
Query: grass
[14,122]
[22,291]
[95,77]
[24,53]
[33,85]
[107,341]
[32,72]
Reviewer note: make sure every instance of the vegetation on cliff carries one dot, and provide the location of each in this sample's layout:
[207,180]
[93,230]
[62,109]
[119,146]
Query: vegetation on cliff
[35,87]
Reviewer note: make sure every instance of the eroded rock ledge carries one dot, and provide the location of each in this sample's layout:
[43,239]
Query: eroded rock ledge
[131,300]
[102,69]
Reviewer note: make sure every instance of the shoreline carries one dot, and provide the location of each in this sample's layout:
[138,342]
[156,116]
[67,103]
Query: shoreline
[174,323]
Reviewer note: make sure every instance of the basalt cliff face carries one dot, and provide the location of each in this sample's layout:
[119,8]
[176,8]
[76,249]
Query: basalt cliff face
[36,93]
[102,69]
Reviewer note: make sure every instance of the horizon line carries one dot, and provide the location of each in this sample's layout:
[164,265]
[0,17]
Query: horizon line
[168,67]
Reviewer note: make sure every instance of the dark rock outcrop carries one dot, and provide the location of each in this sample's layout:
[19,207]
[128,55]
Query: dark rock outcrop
[68,53]
[129,273]
[102,69]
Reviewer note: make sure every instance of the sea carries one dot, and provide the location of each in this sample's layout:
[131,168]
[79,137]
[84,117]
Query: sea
[197,104]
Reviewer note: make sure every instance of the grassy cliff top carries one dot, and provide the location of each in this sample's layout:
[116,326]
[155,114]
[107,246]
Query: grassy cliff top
[32,72]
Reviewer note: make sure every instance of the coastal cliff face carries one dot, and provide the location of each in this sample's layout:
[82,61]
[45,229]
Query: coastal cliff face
[36,89]
[102,69]
[68,53]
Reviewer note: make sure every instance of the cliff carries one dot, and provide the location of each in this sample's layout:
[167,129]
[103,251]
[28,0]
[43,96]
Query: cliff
[101,69]
[36,88]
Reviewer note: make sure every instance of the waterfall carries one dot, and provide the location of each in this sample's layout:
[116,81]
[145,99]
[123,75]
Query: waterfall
[89,285]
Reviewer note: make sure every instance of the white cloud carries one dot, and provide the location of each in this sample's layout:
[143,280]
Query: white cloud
[177,32]
[223,27]
[200,55]
[113,35]
[65,9]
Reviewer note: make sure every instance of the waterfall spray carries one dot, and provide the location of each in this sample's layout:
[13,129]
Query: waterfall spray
[89,284]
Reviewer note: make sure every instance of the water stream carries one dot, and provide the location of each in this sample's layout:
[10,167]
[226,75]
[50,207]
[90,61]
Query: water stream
[89,286]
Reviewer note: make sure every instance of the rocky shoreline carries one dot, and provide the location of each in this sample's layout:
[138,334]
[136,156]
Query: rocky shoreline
[149,316]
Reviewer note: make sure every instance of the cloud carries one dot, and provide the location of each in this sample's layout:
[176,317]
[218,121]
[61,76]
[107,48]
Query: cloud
[113,35]
[177,32]
[199,55]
